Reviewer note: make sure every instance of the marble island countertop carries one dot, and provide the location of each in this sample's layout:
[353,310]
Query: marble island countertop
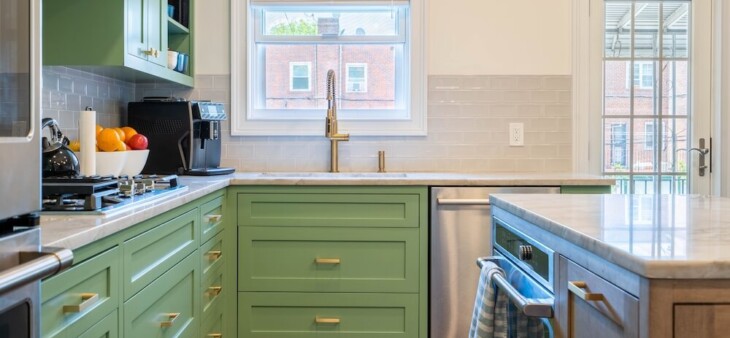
[74,231]
[653,236]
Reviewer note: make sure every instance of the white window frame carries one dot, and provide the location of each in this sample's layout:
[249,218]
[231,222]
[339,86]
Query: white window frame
[348,81]
[291,76]
[245,122]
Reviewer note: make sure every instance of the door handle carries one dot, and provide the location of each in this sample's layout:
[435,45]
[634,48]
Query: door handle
[702,153]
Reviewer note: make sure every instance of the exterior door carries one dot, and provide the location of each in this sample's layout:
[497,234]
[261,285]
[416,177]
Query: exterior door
[655,97]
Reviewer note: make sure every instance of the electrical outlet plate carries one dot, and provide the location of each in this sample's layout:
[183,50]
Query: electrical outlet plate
[516,134]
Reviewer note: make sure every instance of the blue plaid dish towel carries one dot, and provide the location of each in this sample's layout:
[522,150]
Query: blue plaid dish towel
[494,316]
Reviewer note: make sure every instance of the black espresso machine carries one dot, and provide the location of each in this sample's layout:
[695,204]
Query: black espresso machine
[184,136]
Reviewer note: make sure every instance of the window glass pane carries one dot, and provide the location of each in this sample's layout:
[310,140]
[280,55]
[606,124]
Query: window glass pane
[356,72]
[644,99]
[380,60]
[617,94]
[675,84]
[300,70]
[674,145]
[646,28]
[616,145]
[300,83]
[644,159]
[322,21]
[676,28]
[644,185]
[618,29]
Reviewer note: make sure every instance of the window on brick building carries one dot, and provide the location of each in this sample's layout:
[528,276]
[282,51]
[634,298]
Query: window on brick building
[300,76]
[357,78]
[643,74]
[285,49]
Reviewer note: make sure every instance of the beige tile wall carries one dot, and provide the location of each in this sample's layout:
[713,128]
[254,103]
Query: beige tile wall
[468,118]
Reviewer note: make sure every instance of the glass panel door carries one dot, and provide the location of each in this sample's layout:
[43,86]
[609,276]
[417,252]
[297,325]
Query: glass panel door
[647,111]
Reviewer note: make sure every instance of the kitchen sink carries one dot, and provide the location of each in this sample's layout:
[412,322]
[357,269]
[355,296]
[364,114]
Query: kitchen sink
[332,175]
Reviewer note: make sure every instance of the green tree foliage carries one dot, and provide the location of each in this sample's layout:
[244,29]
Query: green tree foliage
[297,27]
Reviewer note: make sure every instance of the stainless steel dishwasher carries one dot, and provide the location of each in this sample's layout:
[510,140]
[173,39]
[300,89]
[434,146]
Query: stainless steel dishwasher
[461,232]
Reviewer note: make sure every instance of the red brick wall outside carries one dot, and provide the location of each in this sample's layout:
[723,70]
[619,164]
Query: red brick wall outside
[617,102]
[380,60]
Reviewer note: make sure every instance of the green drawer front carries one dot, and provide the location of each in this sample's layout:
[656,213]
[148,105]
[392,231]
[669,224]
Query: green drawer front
[212,255]
[212,218]
[96,276]
[328,209]
[585,189]
[371,260]
[212,291]
[150,254]
[175,292]
[283,315]
[106,328]
[213,325]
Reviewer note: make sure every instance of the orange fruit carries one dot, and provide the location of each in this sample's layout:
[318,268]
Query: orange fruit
[128,133]
[75,145]
[108,140]
[98,130]
[123,147]
[121,133]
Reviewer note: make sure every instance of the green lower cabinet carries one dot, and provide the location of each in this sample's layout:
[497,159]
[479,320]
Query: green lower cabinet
[106,328]
[213,319]
[328,259]
[76,299]
[585,189]
[168,307]
[301,315]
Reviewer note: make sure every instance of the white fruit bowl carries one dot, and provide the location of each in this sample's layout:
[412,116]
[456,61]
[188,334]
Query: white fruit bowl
[110,163]
[135,162]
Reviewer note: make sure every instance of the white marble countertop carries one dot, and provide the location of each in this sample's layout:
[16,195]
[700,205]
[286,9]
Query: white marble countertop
[653,236]
[75,231]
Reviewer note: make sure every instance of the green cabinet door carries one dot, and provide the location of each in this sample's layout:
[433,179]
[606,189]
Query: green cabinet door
[585,189]
[147,30]
[106,328]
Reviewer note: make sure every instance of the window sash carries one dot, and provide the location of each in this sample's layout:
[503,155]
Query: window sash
[260,37]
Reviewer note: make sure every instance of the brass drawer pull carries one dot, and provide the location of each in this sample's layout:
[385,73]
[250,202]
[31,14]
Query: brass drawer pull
[213,218]
[87,299]
[213,255]
[327,260]
[214,335]
[214,291]
[326,320]
[578,289]
[152,52]
[171,319]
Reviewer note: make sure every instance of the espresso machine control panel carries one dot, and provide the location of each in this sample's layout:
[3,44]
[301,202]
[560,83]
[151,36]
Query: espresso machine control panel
[208,111]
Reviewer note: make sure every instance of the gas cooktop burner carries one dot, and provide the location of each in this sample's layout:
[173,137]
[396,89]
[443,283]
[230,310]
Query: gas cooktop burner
[103,194]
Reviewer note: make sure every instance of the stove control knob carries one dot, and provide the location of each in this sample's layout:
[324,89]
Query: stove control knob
[525,253]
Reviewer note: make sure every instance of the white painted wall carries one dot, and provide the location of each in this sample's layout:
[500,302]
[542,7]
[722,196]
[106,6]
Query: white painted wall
[465,37]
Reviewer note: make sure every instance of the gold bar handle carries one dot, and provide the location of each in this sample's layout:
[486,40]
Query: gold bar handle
[213,218]
[214,291]
[327,260]
[171,319]
[578,289]
[214,335]
[87,299]
[326,320]
[213,255]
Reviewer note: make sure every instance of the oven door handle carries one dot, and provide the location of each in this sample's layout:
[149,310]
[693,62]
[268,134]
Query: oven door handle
[38,266]
[529,307]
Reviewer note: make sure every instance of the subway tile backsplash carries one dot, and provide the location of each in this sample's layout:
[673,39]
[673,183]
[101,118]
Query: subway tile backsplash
[468,118]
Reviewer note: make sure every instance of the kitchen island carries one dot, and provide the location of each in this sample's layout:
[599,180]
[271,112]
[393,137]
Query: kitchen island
[631,265]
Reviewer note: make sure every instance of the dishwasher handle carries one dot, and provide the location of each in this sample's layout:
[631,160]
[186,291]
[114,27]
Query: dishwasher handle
[463,201]
[540,308]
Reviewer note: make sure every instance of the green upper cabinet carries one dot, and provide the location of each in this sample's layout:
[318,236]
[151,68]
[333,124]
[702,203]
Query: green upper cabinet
[125,39]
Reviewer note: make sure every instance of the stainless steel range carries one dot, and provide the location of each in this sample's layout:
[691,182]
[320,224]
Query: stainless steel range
[104,195]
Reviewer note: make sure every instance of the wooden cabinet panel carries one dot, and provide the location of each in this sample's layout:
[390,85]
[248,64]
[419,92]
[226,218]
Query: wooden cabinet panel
[150,254]
[77,298]
[593,307]
[701,320]
[167,307]
[350,259]
[286,315]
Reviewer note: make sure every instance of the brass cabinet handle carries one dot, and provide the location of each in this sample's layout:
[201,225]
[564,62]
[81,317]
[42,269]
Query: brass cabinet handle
[327,260]
[213,218]
[214,291]
[87,299]
[171,319]
[578,289]
[213,255]
[326,320]
[152,52]
[214,335]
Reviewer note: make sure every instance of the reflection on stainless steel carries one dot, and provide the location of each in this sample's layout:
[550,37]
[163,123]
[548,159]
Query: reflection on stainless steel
[524,292]
[46,263]
[461,232]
